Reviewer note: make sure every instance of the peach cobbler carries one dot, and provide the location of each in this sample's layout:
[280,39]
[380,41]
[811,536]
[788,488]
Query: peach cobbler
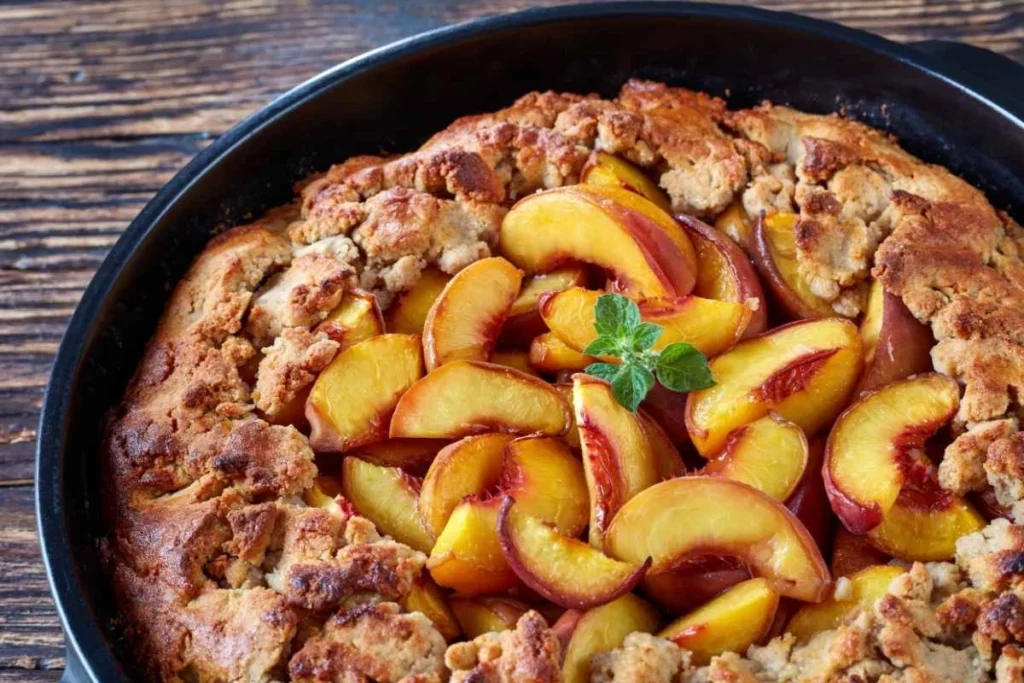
[588,390]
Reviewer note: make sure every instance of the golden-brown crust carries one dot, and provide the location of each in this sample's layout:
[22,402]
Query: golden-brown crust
[529,652]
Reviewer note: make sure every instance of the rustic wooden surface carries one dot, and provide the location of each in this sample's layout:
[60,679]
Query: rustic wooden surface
[100,104]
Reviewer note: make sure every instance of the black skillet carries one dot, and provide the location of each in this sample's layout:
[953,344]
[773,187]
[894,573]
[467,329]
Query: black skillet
[950,104]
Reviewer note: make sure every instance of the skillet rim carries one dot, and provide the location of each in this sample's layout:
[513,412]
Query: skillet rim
[86,639]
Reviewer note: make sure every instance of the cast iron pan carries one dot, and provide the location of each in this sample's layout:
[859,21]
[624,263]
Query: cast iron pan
[950,104]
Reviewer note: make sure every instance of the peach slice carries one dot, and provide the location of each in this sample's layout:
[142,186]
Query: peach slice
[409,313]
[693,582]
[864,589]
[610,171]
[387,497]
[712,326]
[412,455]
[355,319]
[464,322]
[769,454]
[722,517]
[572,436]
[469,397]
[550,354]
[467,555]
[868,451]
[668,409]
[773,250]
[478,616]
[323,493]
[352,400]
[429,600]
[735,223]
[896,344]
[567,572]
[667,461]
[466,468]
[618,459]
[524,322]
[732,622]
[852,553]
[599,630]
[809,502]
[924,523]
[640,245]
[804,371]
[725,272]
[547,482]
[517,360]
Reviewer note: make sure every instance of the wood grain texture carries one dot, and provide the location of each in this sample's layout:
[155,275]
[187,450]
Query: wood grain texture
[101,103]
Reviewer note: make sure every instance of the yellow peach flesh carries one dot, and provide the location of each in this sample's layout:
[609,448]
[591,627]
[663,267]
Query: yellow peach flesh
[409,313]
[769,454]
[864,589]
[387,497]
[602,629]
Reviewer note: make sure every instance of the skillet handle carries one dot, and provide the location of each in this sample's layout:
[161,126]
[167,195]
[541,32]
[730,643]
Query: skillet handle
[74,672]
[996,76]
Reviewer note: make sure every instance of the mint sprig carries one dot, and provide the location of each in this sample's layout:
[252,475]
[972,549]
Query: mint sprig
[621,333]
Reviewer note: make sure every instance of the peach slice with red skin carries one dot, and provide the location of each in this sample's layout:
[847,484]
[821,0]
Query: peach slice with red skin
[809,502]
[478,616]
[773,250]
[600,629]
[804,371]
[770,454]
[462,398]
[409,312]
[668,409]
[645,252]
[464,322]
[524,323]
[711,326]
[868,454]
[667,460]
[732,622]
[412,455]
[550,354]
[693,582]
[896,344]
[736,223]
[723,517]
[352,400]
[725,272]
[355,319]
[608,170]
[852,553]
[429,600]
[563,570]
[467,555]
[865,588]
[547,481]
[618,459]
[387,497]
[466,468]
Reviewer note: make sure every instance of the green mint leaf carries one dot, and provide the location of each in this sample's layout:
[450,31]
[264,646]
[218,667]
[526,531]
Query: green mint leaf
[644,335]
[604,345]
[615,315]
[681,367]
[605,371]
[631,384]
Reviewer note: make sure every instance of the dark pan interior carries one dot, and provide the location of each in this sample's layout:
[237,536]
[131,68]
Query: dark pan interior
[394,100]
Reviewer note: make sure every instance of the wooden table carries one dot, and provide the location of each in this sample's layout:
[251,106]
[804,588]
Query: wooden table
[101,103]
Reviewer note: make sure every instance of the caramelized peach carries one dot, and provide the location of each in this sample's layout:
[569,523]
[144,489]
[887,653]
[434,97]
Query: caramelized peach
[467,555]
[924,523]
[667,461]
[355,319]
[864,589]
[623,233]
[852,553]
[732,622]
[547,482]
[693,582]
[725,273]
[469,397]
[712,326]
[896,344]
[769,454]
[868,450]
[409,313]
[429,600]
[668,409]
[387,497]
[601,629]
[617,457]
[609,170]
[572,436]
[804,371]
[773,250]
[722,517]
[524,322]
[412,455]
[517,360]
[550,354]
[567,572]
[809,502]
[352,400]
[466,468]
[478,616]
[735,223]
